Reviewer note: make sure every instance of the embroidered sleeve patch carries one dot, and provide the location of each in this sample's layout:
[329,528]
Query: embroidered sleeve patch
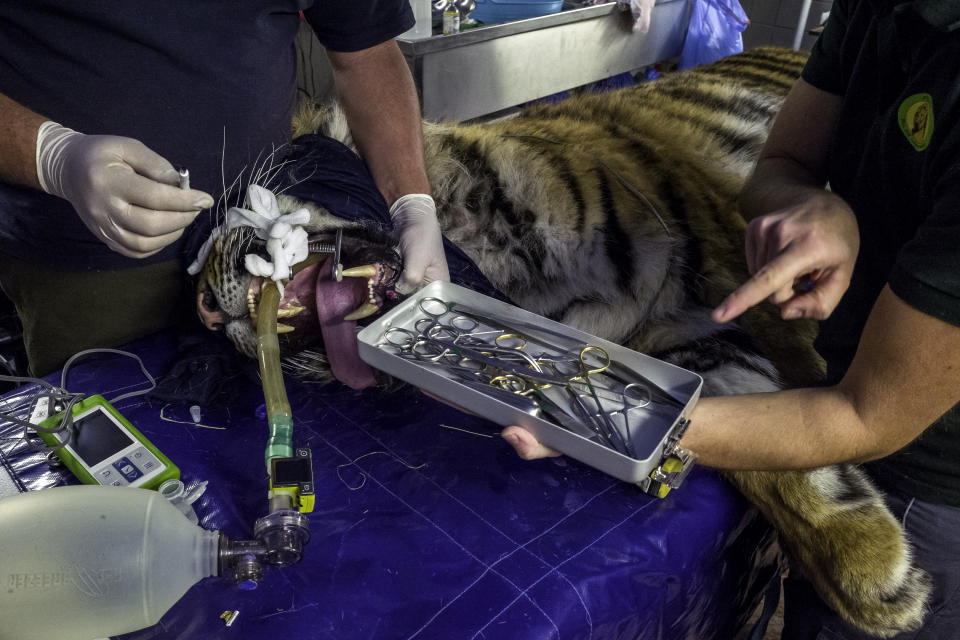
[915,117]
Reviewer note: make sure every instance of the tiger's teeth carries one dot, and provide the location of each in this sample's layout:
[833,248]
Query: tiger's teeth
[283,328]
[366,271]
[290,312]
[251,306]
[365,310]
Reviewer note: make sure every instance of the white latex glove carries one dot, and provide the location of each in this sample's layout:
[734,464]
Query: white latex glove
[127,195]
[421,244]
[642,11]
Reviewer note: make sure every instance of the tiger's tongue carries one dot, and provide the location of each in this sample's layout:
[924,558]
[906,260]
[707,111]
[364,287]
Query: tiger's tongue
[334,301]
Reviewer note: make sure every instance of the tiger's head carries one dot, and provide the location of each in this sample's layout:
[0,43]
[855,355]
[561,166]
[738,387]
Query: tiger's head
[318,314]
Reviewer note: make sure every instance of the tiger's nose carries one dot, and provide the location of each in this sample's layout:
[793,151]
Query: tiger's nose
[212,320]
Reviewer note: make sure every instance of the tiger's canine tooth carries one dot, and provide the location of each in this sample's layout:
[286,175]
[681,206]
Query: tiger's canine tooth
[291,311]
[283,328]
[363,311]
[366,271]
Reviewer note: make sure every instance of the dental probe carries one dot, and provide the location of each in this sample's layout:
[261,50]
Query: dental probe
[337,267]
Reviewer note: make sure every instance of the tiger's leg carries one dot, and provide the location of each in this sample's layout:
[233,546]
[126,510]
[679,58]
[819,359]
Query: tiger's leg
[933,533]
[839,534]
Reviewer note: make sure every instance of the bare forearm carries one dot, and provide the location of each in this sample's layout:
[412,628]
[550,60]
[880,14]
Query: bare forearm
[792,165]
[796,429]
[380,100]
[18,143]
[778,183]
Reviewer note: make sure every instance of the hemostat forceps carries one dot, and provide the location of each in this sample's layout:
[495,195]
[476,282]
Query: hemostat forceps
[616,369]
[605,426]
[572,386]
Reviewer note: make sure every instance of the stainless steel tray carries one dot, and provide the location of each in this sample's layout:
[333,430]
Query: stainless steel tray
[647,431]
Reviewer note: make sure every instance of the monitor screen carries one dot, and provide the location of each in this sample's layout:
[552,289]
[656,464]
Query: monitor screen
[98,437]
[291,471]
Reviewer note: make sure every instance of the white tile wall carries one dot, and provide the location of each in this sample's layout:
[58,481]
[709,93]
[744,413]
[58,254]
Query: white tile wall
[775,22]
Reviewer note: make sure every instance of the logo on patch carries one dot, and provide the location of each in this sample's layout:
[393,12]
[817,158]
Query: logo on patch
[916,120]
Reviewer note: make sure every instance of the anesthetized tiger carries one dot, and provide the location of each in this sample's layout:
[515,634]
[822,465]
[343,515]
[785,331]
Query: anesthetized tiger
[614,213]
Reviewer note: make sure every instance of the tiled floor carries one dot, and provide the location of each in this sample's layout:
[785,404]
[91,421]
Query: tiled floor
[774,22]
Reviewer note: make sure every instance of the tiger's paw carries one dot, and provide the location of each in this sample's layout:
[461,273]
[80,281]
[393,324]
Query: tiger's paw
[839,533]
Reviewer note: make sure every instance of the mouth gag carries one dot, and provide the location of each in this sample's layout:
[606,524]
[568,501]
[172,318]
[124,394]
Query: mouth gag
[610,407]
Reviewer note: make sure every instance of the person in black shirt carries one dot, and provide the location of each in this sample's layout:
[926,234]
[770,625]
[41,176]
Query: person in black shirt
[99,100]
[876,116]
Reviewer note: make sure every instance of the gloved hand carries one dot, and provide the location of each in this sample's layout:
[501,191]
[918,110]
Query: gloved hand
[126,194]
[421,244]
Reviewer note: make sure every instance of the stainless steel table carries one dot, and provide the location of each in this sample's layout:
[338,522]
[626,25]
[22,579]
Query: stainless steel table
[490,68]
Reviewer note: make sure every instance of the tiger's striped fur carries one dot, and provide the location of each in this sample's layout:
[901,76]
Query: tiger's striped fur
[616,213]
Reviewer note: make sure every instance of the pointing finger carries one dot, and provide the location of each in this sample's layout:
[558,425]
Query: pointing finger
[771,278]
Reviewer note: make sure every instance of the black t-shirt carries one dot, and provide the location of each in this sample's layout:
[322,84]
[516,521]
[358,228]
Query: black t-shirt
[895,158]
[200,83]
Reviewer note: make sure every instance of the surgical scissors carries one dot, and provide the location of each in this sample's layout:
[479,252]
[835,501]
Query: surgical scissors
[460,328]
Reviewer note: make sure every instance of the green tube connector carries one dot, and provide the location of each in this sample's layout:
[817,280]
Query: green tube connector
[280,444]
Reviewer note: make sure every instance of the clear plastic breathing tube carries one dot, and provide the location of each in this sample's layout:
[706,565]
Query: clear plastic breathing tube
[279,416]
[283,532]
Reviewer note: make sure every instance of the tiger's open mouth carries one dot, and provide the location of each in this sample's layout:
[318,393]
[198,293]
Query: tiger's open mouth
[314,299]
[318,315]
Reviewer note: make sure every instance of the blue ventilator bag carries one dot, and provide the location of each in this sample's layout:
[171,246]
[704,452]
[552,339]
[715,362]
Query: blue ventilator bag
[715,31]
